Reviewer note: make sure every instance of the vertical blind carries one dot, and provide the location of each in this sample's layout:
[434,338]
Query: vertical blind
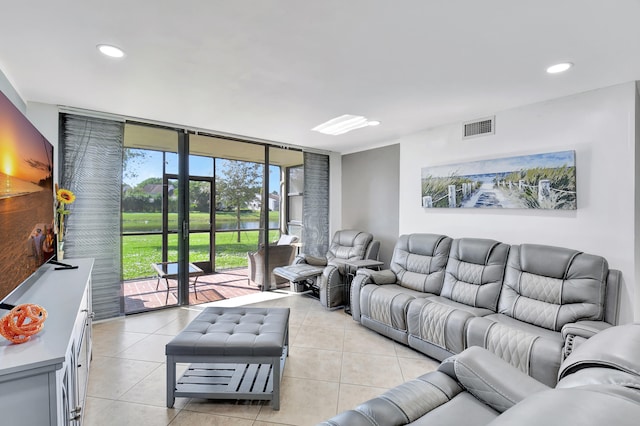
[315,209]
[91,167]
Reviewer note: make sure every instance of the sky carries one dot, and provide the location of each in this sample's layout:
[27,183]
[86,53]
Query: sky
[499,165]
[24,152]
[198,166]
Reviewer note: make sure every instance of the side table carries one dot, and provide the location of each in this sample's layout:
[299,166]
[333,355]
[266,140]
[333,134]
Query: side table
[169,271]
[352,267]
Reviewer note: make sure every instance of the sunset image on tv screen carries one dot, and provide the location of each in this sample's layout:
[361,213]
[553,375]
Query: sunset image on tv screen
[26,197]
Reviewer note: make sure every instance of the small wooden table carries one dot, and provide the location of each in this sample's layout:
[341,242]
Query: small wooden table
[169,271]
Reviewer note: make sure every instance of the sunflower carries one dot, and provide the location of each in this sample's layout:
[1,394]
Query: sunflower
[65,196]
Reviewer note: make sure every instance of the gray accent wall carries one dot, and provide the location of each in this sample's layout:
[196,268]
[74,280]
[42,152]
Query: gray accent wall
[370,200]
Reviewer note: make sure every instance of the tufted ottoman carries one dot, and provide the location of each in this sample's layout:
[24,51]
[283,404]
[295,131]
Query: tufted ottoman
[235,353]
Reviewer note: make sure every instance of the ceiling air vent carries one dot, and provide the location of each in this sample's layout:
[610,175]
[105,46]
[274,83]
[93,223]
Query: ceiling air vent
[484,126]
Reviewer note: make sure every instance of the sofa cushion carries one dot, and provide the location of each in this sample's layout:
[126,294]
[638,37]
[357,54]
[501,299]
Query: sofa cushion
[419,261]
[476,312]
[287,239]
[552,286]
[387,304]
[584,406]
[534,350]
[349,244]
[440,325]
[463,409]
[474,272]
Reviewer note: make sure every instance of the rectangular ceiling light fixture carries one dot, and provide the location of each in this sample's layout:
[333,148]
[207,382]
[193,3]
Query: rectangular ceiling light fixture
[343,124]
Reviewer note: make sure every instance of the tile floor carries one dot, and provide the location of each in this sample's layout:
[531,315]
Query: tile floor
[334,364]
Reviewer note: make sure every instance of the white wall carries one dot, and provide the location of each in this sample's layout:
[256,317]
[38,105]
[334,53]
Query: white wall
[637,199]
[599,125]
[10,92]
[45,118]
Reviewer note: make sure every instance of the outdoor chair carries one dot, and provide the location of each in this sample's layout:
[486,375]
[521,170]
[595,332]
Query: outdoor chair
[280,254]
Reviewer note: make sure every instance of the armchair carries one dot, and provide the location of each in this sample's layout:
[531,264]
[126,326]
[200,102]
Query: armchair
[280,254]
[346,245]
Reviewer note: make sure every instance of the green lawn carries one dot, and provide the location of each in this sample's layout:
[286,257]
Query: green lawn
[139,251]
[152,222]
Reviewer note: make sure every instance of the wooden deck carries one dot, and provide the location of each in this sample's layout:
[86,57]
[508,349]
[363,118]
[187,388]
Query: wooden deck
[140,295]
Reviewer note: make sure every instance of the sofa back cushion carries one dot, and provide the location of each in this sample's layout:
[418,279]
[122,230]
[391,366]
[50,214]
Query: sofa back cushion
[475,271]
[552,286]
[419,261]
[349,244]
[287,239]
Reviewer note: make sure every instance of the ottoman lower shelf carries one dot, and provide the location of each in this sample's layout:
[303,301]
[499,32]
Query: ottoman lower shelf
[230,381]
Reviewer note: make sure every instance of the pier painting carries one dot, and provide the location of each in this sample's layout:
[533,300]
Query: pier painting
[539,181]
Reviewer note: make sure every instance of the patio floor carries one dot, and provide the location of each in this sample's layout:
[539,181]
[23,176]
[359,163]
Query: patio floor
[140,295]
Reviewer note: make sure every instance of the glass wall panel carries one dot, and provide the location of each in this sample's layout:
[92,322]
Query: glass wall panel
[238,210]
[171,163]
[282,163]
[149,213]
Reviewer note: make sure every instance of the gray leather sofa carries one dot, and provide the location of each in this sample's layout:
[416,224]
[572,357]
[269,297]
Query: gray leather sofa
[346,245]
[529,304]
[599,384]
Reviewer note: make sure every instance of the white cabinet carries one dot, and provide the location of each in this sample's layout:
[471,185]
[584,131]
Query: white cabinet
[44,381]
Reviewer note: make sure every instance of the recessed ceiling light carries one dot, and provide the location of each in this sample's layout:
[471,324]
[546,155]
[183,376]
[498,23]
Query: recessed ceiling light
[111,51]
[343,124]
[561,67]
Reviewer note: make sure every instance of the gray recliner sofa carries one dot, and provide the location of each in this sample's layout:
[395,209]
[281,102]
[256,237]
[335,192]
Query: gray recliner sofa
[417,270]
[529,304]
[599,384]
[544,289]
[472,283]
[346,245]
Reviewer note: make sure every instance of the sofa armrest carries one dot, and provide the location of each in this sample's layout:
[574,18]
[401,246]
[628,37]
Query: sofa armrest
[490,379]
[311,260]
[348,418]
[386,276]
[575,333]
[585,329]
[362,278]
[403,404]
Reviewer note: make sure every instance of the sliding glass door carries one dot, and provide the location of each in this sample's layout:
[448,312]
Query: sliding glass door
[149,217]
[204,201]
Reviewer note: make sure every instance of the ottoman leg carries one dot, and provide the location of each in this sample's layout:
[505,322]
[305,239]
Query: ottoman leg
[275,401]
[171,381]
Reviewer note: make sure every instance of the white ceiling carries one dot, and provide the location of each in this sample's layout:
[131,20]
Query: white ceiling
[273,69]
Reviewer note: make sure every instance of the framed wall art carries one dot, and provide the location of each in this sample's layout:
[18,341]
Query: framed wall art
[538,181]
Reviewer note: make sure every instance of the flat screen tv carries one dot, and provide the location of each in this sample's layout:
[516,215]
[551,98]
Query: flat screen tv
[27,237]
